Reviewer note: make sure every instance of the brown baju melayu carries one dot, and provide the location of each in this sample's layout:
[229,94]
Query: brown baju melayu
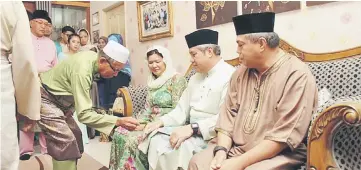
[276,106]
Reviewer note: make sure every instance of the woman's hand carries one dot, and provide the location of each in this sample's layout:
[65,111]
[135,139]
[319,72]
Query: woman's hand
[152,126]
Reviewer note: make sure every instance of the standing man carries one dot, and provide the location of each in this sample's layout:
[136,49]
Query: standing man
[267,111]
[19,79]
[45,55]
[44,48]
[66,88]
[199,103]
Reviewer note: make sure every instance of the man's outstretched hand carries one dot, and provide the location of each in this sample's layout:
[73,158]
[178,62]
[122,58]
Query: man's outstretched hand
[128,123]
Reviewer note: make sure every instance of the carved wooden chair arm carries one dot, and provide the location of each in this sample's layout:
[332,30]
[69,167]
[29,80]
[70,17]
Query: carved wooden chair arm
[319,152]
[123,103]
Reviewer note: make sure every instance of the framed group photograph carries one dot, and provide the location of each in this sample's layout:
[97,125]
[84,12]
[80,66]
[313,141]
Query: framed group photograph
[95,36]
[95,18]
[155,20]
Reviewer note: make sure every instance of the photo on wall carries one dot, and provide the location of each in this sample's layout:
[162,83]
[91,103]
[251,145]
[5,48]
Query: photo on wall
[155,20]
[95,36]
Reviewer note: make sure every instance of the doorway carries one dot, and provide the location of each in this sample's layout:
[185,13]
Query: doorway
[115,20]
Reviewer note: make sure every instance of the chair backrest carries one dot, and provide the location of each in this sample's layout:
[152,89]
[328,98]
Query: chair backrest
[339,72]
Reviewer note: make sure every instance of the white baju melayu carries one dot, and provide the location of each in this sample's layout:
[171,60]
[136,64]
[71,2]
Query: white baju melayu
[20,87]
[200,103]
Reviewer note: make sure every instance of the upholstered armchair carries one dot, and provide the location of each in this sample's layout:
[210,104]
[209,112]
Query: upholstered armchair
[334,138]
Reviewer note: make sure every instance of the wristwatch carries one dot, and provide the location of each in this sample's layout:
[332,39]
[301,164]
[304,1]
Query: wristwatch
[219,148]
[195,128]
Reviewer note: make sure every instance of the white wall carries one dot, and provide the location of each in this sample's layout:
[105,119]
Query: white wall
[98,6]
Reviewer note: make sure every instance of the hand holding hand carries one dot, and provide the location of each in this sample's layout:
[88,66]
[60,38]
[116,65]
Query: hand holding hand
[128,123]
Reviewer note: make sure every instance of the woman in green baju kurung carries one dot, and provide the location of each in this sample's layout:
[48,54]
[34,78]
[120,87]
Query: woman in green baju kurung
[165,87]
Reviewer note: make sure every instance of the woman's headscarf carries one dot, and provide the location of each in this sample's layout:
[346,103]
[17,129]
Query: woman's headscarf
[118,38]
[105,39]
[88,45]
[168,73]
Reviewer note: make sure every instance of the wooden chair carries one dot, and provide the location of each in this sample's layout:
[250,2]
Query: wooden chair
[334,138]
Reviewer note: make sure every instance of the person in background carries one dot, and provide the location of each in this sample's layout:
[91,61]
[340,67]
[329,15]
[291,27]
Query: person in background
[62,44]
[102,42]
[20,90]
[165,88]
[73,46]
[85,43]
[121,80]
[45,57]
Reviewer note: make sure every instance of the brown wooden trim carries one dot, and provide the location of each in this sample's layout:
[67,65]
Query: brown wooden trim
[319,148]
[72,3]
[317,57]
[29,6]
[128,105]
[305,56]
[88,23]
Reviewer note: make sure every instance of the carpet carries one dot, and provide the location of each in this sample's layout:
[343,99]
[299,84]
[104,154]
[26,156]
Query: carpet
[44,162]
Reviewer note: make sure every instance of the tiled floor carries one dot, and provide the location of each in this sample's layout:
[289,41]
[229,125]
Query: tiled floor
[100,151]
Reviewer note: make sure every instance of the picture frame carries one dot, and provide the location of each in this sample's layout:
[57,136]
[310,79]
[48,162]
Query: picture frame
[249,7]
[155,20]
[314,3]
[95,36]
[95,18]
[211,13]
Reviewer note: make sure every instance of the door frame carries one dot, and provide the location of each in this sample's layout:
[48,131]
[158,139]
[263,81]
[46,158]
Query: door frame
[109,8]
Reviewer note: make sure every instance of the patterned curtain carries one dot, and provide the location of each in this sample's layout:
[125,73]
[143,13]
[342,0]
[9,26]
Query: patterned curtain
[44,5]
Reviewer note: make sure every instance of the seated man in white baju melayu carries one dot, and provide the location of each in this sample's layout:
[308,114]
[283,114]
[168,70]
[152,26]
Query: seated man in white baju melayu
[188,128]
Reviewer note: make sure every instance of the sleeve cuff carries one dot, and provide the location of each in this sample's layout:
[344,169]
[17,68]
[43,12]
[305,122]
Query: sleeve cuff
[207,132]
[219,130]
[167,121]
[291,144]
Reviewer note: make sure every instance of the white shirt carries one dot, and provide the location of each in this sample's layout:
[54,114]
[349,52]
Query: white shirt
[201,100]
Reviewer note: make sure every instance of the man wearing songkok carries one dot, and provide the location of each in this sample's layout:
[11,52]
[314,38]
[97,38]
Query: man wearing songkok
[271,97]
[19,79]
[44,48]
[191,124]
[68,85]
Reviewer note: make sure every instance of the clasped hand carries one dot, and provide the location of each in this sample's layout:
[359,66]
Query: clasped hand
[179,135]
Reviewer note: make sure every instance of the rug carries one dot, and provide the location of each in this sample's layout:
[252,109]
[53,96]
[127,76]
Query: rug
[44,162]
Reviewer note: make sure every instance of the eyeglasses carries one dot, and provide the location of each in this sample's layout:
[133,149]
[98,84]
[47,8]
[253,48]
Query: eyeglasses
[42,23]
[110,65]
